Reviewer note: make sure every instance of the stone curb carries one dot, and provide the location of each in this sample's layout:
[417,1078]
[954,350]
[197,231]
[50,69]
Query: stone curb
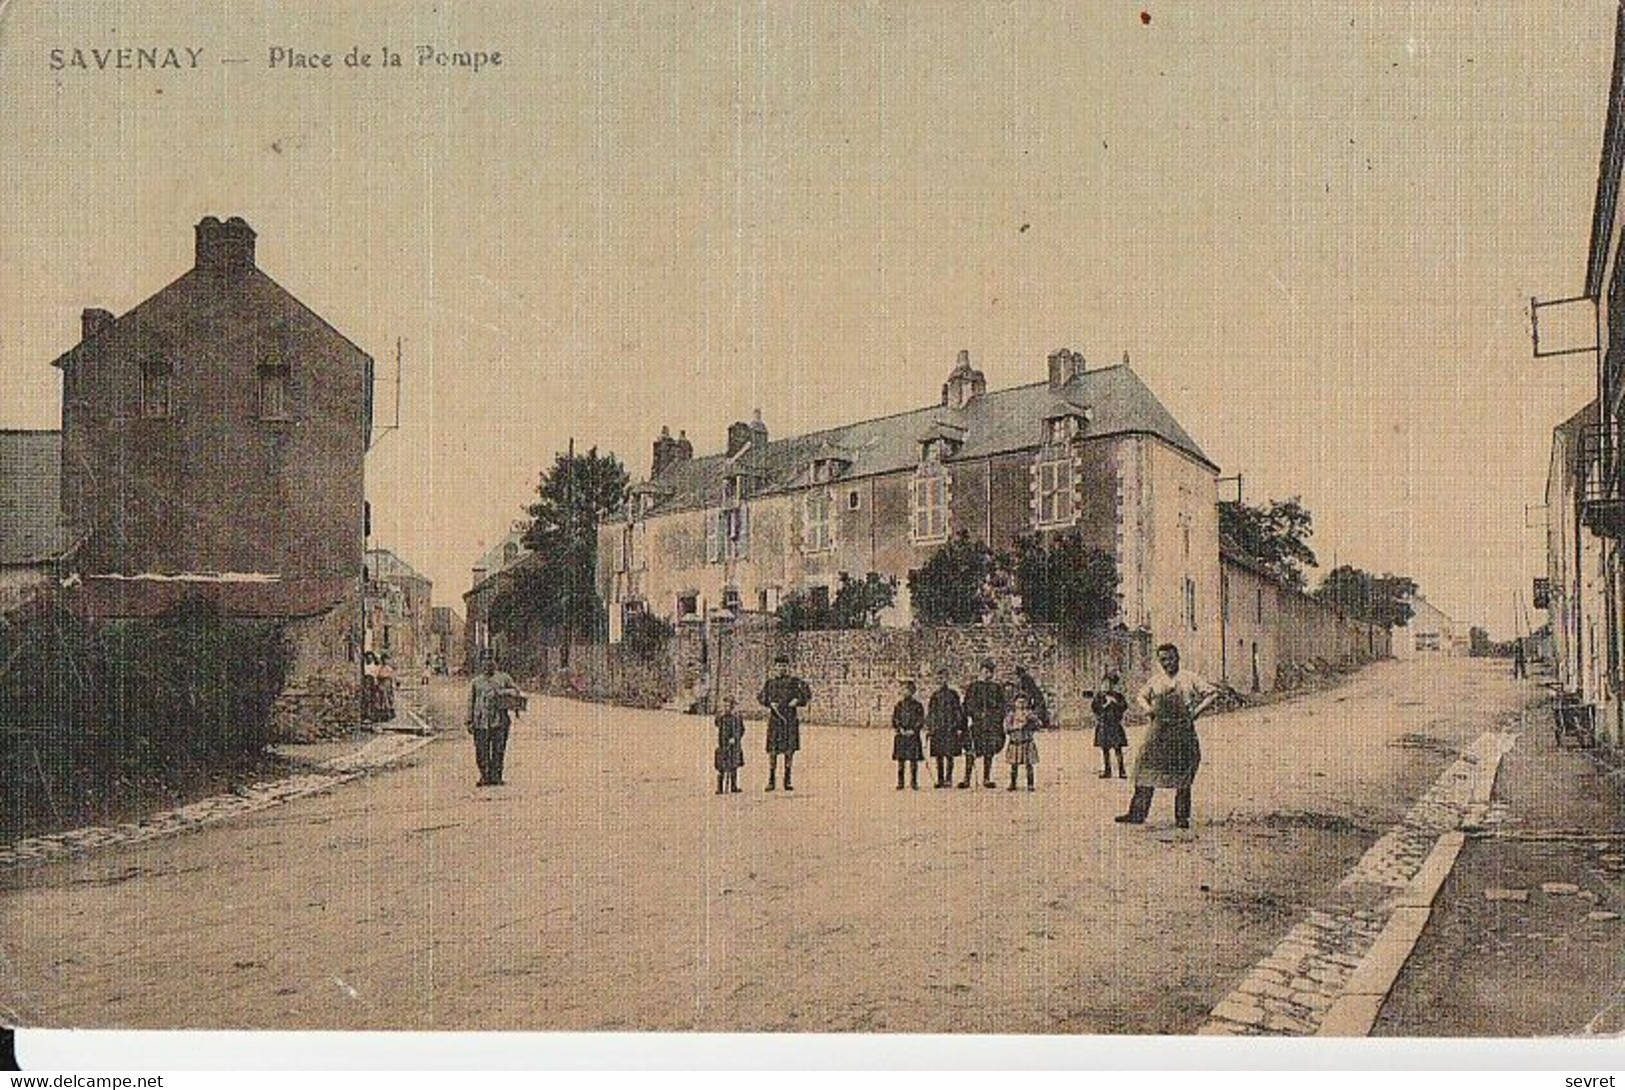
[377,754]
[1330,974]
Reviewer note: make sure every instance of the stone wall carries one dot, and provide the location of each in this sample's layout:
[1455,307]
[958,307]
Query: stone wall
[854,675]
[323,695]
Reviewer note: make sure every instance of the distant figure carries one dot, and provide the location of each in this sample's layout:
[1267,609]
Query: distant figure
[730,756]
[1170,755]
[907,720]
[984,707]
[1520,663]
[492,699]
[1020,726]
[1109,705]
[1027,686]
[783,696]
[945,722]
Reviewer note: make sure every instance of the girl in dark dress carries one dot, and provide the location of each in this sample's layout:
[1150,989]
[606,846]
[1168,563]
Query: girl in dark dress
[730,755]
[907,720]
[1109,705]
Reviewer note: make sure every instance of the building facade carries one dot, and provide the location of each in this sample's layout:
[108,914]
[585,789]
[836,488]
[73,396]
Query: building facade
[400,604]
[492,573]
[1088,451]
[213,445]
[446,641]
[30,512]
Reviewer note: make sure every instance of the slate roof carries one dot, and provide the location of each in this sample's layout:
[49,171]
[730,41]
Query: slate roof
[999,422]
[30,496]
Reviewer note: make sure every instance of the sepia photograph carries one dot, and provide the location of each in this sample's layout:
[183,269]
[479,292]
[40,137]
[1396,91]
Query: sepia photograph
[1065,519]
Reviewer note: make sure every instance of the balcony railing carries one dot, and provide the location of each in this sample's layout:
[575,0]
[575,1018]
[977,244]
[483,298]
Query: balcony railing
[1602,498]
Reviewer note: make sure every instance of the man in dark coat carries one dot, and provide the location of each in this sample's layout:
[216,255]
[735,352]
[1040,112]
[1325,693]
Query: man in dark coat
[984,707]
[945,723]
[783,696]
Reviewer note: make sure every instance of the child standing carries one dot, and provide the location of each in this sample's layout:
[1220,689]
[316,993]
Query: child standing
[1109,705]
[730,757]
[946,724]
[1020,726]
[907,720]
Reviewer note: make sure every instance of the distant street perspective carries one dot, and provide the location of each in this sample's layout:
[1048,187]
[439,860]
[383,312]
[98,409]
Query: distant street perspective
[601,888]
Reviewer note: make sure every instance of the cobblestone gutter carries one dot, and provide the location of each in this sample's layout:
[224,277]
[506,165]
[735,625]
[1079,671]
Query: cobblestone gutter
[1330,972]
[379,752]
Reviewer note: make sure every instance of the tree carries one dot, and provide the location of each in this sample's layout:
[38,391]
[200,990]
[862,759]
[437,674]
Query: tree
[1377,599]
[1066,582]
[859,602]
[555,586]
[952,586]
[1276,535]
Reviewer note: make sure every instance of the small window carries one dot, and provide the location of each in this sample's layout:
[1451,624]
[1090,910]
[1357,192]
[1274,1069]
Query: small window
[688,605]
[1190,602]
[274,403]
[730,599]
[1055,493]
[852,500]
[157,399]
[1261,605]
[1061,429]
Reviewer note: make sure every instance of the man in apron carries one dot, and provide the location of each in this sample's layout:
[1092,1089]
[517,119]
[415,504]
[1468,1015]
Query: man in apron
[1170,754]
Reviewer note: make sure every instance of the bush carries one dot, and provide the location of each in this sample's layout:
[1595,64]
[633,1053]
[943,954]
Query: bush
[952,586]
[1066,583]
[858,603]
[646,635]
[93,714]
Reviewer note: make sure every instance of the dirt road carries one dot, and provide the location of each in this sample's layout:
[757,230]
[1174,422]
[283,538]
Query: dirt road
[607,888]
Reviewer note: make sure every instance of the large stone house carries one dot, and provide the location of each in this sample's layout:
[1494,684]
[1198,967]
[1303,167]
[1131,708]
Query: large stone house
[1086,450]
[213,444]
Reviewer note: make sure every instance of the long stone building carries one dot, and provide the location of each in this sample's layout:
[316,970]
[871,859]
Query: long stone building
[1085,450]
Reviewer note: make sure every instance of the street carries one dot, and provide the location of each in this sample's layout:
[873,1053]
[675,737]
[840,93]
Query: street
[607,888]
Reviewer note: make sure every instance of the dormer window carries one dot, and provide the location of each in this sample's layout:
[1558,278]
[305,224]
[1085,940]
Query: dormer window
[1065,423]
[825,470]
[157,400]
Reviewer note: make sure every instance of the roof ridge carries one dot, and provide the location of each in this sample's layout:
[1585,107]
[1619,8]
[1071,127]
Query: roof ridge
[921,409]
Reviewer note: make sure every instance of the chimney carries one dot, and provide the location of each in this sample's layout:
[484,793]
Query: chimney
[684,447]
[92,320]
[669,452]
[1064,366]
[758,432]
[224,247]
[739,437]
[964,383]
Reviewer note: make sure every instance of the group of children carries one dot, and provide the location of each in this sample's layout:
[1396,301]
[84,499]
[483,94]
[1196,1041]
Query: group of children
[987,719]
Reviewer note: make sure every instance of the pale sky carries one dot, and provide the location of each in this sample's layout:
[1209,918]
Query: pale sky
[1314,227]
